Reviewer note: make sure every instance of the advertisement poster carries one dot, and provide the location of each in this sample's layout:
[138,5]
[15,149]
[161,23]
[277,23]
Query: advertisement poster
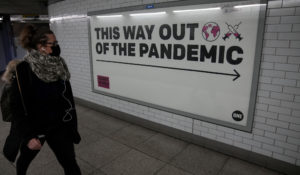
[195,60]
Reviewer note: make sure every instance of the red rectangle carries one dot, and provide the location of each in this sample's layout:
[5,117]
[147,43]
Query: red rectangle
[103,81]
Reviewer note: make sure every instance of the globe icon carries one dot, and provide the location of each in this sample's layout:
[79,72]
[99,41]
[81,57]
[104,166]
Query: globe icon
[211,31]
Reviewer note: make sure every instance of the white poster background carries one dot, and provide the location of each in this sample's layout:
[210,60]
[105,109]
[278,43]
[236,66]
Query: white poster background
[207,95]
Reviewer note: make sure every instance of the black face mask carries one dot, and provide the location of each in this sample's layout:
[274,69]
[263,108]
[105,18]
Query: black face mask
[55,50]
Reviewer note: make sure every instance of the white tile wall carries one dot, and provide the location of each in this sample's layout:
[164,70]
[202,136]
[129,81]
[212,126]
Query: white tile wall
[288,51]
[270,35]
[269,51]
[274,4]
[279,28]
[294,35]
[296,27]
[277,43]
[290,3]
[276,129]
[281,11]
[273,20]
[290,19]
[286,82]
[295,44]
[271,57]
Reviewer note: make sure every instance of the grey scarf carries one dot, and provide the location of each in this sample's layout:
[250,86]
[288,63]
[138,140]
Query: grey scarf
[47,68]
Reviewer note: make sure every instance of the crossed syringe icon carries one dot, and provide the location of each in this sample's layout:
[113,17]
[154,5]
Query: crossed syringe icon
[233,30]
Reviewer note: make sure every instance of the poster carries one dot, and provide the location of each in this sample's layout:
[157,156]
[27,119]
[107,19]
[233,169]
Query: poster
[196,60]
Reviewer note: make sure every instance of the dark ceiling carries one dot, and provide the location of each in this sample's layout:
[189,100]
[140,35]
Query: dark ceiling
[25,7]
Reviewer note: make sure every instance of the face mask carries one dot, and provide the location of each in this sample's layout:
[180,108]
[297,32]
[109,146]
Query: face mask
[55,50]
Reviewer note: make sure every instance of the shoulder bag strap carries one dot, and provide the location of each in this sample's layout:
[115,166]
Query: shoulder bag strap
[22,99]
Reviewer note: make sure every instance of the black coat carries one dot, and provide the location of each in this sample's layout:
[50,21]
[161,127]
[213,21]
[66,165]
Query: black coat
[40,109]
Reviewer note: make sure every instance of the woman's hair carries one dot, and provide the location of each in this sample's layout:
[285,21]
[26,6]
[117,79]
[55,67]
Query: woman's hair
[31,36]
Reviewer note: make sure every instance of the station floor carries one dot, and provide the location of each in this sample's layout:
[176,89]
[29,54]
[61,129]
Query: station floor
[111,146]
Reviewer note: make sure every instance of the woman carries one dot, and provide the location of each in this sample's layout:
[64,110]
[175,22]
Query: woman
[45,109]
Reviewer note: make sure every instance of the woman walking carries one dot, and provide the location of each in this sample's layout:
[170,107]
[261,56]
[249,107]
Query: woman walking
[44,109]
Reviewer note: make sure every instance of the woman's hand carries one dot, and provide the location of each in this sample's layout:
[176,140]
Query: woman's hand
[34,144]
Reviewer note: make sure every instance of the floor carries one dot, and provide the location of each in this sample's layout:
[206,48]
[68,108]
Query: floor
[111,146]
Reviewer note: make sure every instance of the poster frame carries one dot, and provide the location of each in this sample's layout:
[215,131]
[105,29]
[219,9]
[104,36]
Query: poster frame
[256,66]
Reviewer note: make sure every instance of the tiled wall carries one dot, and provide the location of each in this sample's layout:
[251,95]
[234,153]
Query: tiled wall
[276,129]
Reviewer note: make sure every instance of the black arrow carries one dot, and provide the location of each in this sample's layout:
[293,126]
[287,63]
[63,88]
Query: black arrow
[236,75]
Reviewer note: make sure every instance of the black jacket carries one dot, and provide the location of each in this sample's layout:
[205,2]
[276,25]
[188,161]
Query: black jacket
[41,109]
